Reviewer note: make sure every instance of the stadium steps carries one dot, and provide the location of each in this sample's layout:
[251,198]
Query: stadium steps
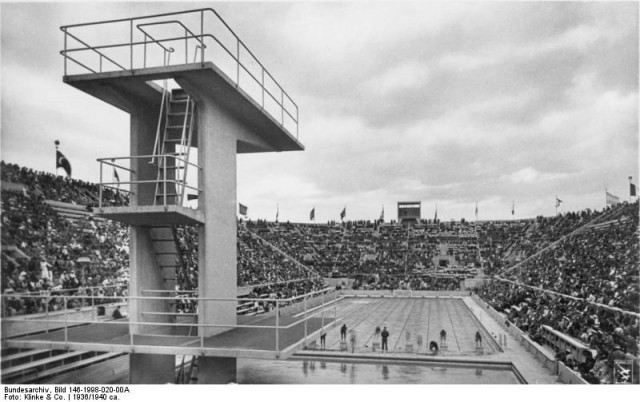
[164,246]
[75,214]
[46,364]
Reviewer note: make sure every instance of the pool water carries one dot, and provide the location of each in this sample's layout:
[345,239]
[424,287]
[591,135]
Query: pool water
[356,372]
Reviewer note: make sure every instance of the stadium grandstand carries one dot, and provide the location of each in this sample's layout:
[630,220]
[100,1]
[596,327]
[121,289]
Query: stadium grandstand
[573,275]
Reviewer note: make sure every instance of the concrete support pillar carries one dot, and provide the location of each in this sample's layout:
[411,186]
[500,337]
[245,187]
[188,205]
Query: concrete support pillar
[217,141]
[144,270]
[151,369]
[217,370]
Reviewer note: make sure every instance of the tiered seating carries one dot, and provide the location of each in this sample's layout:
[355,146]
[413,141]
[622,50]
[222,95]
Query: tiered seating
[43,365]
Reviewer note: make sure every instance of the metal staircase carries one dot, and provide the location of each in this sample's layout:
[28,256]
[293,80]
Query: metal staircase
[173,146]
[164,245]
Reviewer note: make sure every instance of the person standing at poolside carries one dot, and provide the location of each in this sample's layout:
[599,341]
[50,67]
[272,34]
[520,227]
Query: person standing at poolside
[385,337]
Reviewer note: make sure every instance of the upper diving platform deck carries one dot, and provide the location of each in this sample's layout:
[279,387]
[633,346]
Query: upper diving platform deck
[123,89]
[118,61]
[153,215]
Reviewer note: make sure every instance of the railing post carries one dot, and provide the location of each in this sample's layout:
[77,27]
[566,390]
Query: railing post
[65,51]
[93,309]
[202,36]
[144,58]
[238,61]
[47,315]
[66,319]
[100,188]
[131,44]
[100,62]
[262,88]
[323,310]
[305,320]
[282,106]
[164,174]
[186,47]
[277,326]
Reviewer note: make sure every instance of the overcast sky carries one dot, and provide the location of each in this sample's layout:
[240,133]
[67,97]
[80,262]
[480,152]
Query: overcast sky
[440,103]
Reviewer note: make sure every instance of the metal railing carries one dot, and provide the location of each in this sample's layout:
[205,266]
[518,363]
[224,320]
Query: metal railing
[67,319]
[197,34]
[163,179]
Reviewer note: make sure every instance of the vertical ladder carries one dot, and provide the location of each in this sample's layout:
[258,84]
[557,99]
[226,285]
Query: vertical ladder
[173,147]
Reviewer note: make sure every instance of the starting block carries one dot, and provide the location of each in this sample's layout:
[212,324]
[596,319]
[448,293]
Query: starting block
[409,348]
[313,345]
[344,347]
[444,347]
[375,346]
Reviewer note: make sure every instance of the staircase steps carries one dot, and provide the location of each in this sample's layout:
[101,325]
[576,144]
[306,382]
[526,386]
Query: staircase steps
[164,246]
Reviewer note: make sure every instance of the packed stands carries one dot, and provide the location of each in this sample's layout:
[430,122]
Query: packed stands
[584,285]
[577,273]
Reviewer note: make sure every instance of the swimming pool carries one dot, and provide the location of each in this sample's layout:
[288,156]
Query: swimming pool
[328,371]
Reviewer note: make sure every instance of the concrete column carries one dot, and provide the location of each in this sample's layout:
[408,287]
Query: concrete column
[217,238]
[143,266]
[151,369]
[217,370]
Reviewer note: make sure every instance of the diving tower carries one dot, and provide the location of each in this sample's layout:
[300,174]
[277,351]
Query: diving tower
[188,82]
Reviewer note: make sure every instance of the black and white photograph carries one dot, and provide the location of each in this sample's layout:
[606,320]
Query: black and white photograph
[319,193]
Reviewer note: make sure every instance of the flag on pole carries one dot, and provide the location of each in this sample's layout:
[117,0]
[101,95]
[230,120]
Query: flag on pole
[116,177]
[343,213]
[558,201]
[277,212]
[312,214]
[243,209]
[476,210]
[62,161]
[611,199]
[435,217]
[382,214]
[632,188]
[513,208]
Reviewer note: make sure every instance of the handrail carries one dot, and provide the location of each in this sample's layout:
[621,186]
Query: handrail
[240,47]
[234,57]
[111,162]
[168,22]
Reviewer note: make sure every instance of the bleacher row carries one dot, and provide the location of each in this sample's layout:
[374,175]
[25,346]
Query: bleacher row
[62,367]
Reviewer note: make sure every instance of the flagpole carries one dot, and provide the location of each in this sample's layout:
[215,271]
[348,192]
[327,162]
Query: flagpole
[57,143]
[556,204]
[630,178]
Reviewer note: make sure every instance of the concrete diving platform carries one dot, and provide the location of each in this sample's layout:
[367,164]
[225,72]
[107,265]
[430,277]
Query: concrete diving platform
[152,215]
[253,338]
[125,89]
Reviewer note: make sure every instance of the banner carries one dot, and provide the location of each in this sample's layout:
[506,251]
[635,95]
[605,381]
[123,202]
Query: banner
[612,199]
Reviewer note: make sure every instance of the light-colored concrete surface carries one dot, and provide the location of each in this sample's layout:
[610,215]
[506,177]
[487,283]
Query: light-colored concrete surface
[530,368]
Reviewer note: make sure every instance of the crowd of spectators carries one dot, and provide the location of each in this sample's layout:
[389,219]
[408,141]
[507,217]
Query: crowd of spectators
[586,286]
[407,282]
[49,256]
[592,274]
